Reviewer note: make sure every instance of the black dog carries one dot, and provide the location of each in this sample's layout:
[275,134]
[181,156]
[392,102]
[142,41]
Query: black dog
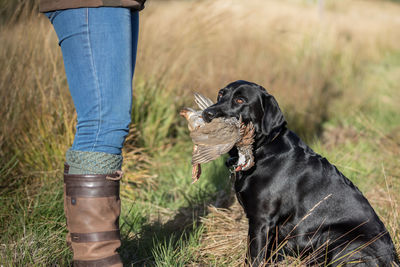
[296,202]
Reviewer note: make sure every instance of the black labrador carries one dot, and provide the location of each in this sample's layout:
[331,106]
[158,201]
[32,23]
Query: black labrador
[296,202]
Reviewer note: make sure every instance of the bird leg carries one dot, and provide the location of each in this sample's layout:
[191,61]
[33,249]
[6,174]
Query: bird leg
[196,172]
[196,169]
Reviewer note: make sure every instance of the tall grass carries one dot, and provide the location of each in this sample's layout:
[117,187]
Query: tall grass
[13,11]
[335,73]
[305,59]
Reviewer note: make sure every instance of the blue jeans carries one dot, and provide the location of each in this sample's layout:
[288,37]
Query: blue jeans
[99,50]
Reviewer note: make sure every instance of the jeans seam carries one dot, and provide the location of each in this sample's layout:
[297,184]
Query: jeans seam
[96,78]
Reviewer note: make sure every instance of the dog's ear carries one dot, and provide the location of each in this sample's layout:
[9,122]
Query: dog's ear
[273,119]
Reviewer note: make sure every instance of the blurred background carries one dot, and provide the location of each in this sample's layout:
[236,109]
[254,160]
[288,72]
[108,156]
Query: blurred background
[333,66]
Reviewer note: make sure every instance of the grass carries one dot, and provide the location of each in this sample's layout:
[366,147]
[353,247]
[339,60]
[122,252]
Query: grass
[335,74]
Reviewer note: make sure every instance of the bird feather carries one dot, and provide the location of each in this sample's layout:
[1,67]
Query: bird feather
[202,101]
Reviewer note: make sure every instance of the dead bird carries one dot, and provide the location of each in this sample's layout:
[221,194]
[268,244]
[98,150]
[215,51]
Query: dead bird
[218,137]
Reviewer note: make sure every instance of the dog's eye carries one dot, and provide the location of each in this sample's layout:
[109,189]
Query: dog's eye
[239,100]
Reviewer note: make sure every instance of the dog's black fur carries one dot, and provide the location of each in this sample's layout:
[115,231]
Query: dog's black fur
[296,202]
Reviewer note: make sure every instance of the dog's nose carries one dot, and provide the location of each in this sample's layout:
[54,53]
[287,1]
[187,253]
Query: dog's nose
[208,115]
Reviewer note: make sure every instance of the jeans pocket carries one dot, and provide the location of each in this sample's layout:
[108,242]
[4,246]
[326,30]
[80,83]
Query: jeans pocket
[52,14]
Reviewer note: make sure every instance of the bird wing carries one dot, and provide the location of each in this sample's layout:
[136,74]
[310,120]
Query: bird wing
[202,101]
[203,154]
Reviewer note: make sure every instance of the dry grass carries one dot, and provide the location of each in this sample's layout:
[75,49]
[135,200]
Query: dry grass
[225,237]
[36,109]
[305,58]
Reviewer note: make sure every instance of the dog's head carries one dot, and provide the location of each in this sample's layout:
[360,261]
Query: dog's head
[252,103]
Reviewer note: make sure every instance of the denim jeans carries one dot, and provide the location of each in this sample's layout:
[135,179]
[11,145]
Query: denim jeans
[99,51]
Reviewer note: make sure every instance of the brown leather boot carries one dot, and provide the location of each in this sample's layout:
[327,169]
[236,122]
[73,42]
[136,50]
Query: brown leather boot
[92,207]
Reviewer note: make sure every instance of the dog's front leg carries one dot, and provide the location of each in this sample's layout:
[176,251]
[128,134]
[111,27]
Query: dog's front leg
[261,245]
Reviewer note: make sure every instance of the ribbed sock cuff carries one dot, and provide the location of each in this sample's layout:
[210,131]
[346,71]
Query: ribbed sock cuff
[84,162]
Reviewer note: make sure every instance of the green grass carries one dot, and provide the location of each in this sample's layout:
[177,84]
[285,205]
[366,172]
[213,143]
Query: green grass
[33,223]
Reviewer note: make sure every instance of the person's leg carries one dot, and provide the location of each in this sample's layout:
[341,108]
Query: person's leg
[99,51]
[98,48]
[114,62]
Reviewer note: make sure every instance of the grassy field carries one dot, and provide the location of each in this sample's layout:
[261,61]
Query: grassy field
[334,70]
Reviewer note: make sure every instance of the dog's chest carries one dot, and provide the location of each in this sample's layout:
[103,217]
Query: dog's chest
[245,189]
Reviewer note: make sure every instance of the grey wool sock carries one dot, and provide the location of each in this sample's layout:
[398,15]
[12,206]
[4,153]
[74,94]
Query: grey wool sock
[84,162]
